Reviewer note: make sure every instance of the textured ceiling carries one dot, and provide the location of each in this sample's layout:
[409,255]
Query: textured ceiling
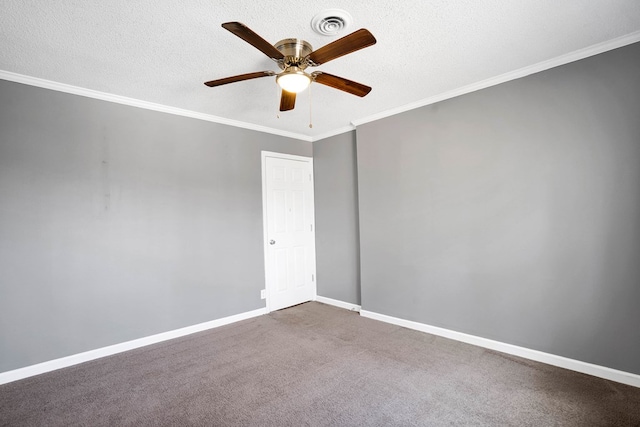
[162,51]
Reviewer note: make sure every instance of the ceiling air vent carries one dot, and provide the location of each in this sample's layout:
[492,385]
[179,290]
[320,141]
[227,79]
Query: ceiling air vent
[331,22]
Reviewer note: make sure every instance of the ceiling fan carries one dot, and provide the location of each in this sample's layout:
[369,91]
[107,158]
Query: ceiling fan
[293,56]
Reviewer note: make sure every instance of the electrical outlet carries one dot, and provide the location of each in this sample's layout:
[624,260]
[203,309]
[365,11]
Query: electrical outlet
[263,294]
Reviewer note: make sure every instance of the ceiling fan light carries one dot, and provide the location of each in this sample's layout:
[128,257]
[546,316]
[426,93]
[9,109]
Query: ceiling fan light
[295,81]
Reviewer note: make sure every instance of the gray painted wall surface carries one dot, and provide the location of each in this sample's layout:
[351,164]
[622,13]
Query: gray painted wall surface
[117,222]
[336,204]
[513,213]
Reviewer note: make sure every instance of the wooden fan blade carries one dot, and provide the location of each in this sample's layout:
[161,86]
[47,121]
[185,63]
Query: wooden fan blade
[246,34]
[239,78]
[287,100]
[341,83]
[347,44]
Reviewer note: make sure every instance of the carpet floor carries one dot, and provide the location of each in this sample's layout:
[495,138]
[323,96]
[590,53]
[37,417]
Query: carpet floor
[316,365]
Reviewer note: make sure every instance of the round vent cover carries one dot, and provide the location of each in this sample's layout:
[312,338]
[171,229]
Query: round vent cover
[331,22]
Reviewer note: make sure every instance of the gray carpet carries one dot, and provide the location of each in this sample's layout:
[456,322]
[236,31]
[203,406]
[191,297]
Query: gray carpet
[316,365]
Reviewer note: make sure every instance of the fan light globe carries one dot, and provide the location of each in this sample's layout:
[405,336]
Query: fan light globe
[293,81]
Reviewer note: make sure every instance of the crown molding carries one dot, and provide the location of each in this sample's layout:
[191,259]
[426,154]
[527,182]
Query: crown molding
[493,81]
[334,132]
[89,93]
[512,75]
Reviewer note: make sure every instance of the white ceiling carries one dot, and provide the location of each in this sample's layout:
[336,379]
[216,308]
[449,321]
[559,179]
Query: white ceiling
[162,51]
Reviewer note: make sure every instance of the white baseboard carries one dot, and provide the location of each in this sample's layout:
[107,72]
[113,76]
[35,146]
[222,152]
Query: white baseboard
[338,303]
[63,362]
[539,356]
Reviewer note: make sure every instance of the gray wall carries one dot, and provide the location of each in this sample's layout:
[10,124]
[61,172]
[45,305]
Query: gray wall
[336,202]
[513,213]
[118,222]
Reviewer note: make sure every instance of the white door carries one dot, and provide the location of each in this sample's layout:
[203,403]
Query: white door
[287,183]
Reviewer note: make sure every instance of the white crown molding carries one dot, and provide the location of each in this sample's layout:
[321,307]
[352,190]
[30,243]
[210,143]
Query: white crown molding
[334,132]
[512,75]
[539,356]
[52,365]
[503,78]
[89,93]
[338,303]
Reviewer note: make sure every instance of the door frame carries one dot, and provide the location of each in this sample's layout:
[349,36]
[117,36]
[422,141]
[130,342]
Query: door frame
[265,230]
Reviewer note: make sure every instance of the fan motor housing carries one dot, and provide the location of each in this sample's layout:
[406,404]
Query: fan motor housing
[295,51]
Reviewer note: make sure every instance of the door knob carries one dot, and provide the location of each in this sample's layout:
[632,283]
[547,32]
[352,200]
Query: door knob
[272,242]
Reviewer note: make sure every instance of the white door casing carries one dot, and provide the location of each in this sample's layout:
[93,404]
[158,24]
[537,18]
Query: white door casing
[289,229]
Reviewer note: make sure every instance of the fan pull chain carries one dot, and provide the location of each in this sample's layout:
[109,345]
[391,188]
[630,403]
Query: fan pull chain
[310,119]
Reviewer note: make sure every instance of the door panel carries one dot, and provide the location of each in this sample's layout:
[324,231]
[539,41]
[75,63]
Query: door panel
[290,239]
